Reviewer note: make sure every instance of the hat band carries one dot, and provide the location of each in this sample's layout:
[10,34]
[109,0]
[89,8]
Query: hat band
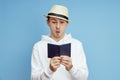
[58,15]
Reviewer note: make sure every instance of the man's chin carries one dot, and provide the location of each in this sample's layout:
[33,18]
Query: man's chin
[58,36]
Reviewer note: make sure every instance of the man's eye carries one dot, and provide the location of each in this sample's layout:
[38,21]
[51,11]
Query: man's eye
[54,22]
[61,22]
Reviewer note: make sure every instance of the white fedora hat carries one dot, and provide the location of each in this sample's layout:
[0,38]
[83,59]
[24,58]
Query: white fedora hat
[58,11]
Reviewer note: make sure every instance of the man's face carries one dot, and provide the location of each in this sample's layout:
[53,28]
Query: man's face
[57,27]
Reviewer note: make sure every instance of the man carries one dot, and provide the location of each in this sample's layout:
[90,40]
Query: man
[58,67]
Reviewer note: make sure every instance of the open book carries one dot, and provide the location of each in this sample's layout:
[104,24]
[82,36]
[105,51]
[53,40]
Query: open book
[58,50]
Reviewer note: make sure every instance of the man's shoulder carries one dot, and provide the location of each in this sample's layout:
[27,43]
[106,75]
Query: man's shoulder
[39,43]
[76,41]
[73,40]
[42,40]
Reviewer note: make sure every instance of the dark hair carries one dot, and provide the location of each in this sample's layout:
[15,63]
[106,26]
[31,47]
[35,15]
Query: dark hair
[48,18]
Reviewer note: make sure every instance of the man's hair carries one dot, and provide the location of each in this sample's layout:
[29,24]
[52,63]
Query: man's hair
[48,18]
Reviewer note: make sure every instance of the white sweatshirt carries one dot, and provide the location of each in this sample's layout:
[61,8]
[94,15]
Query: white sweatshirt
[40,62]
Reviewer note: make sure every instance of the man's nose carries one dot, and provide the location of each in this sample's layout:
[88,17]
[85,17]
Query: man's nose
[58,25]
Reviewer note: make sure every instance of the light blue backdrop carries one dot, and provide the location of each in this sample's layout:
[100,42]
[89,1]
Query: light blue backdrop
[95,22]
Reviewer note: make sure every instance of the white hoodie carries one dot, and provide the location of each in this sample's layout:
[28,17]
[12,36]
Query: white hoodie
[40,62]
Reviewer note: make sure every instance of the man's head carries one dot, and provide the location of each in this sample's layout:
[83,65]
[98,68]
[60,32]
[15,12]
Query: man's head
[57,20]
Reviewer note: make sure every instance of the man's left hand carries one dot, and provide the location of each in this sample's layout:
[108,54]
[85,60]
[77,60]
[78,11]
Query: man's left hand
[67,62]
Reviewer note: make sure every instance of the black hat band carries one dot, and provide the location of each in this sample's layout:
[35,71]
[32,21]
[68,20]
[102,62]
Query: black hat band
[58,15]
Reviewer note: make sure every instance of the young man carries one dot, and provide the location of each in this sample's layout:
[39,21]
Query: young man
[58,67]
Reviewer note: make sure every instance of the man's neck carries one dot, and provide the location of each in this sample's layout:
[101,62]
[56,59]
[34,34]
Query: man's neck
[58,38]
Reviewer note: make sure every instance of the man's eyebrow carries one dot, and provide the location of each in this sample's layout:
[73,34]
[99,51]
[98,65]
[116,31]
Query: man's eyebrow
[61,20]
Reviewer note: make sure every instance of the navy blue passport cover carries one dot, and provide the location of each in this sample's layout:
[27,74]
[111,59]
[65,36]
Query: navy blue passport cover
[57,50]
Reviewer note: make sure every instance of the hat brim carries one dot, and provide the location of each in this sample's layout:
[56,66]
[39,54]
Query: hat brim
[56,17]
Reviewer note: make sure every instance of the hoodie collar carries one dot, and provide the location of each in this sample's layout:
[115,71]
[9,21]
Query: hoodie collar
[66,39]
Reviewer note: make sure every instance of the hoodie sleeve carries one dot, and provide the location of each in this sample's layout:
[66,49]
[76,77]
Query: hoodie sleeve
[37,70]
[79,70]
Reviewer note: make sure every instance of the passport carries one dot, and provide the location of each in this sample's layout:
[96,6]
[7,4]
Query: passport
[58,50]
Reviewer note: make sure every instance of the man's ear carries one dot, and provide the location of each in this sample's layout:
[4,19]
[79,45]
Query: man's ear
[47,22]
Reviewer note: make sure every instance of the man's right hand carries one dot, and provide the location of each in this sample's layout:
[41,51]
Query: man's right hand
[55,63]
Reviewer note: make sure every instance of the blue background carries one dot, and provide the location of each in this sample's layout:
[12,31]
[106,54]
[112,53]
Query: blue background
[95,22]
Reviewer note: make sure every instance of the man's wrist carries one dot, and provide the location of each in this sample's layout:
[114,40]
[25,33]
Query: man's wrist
[49,72]
[70,68]
[73,70]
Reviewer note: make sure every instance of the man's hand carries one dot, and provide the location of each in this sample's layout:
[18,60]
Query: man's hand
[55,63]
[67,62]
